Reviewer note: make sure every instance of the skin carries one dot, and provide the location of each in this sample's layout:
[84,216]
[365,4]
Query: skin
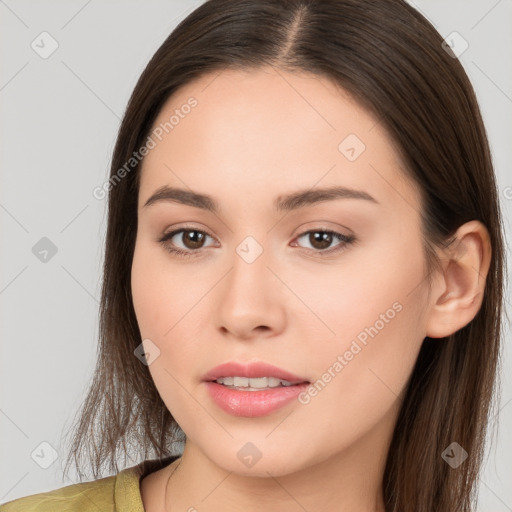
[254,136]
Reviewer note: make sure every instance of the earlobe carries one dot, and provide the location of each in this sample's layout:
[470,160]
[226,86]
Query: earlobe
[462,281]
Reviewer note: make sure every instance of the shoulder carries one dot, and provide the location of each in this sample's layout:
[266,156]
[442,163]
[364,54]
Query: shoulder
[116,493]
[86,496]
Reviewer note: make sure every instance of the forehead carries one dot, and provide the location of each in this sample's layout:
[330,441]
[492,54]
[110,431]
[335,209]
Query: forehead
[267,130]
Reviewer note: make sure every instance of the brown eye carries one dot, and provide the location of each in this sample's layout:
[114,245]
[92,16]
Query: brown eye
[184,242]
[320,239]
[193,239]
[189,242]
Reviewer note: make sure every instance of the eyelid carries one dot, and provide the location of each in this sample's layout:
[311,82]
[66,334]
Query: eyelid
[344,240]
[167,235]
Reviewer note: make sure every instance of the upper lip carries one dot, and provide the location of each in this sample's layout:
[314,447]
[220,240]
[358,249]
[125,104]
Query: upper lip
[256,369]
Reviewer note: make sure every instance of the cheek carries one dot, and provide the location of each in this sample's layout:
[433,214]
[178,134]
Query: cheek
[160,293]
[151,293]
[377,314]
[169,304]
[146,297]
[376,286]
[161,302]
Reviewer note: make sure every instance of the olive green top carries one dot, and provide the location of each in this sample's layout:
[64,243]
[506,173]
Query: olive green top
[119,493]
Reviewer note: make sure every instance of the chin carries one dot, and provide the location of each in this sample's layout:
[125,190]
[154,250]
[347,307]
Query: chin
[268,461]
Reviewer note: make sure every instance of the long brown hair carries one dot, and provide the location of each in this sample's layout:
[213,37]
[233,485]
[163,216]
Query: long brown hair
[390,59]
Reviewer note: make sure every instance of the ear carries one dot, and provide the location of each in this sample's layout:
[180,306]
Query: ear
[458,293]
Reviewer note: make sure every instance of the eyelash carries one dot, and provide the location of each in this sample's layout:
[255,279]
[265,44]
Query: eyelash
[345,239]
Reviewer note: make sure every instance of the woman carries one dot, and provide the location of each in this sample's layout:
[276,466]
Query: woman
[303,272]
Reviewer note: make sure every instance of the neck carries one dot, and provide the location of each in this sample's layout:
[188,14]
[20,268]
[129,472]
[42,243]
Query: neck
[348,480]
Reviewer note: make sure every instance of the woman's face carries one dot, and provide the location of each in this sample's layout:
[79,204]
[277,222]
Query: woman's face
[262,281]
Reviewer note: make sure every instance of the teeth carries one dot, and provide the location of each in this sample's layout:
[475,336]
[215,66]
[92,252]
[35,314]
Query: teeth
[253,383]
[240,382]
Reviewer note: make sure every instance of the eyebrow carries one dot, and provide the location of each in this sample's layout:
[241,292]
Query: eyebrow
[288,202]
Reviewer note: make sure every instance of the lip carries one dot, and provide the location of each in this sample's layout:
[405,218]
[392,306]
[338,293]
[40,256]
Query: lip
[252,404]
[256,369]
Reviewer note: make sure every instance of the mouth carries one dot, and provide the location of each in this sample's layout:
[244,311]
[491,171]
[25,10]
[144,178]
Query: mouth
[254,376]
[255,383]
[252,390]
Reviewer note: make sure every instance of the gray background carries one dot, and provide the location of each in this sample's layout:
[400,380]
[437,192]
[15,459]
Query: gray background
[58,125]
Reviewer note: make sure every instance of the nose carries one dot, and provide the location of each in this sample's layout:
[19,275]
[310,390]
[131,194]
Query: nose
[251,299]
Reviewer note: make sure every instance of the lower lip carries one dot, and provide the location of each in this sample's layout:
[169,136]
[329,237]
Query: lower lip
[252,404]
